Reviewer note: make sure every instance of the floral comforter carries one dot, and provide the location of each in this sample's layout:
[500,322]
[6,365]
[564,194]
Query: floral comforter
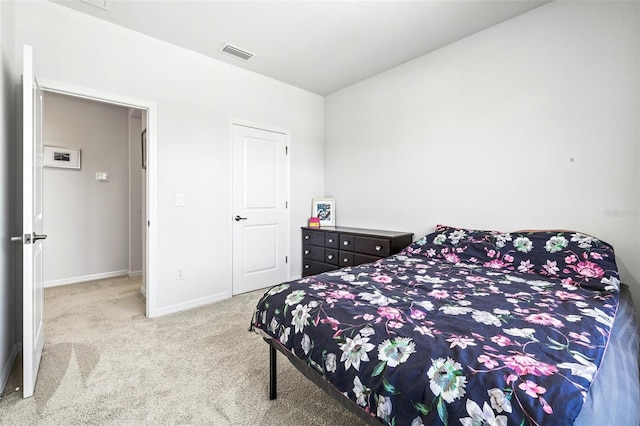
[463,327]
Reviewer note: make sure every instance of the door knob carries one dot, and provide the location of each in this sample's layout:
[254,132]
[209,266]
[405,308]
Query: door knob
[26,239]
[39,237]
[238,218]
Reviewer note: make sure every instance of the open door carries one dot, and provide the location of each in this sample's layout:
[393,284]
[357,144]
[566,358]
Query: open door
[32,225]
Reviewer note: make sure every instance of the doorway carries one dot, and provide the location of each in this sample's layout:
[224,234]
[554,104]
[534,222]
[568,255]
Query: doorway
[92,193]
[139,185]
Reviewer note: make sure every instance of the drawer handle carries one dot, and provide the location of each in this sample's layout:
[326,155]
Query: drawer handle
[330,257]
[306,266]
[330,240]
[346,243]
[306,252]
[346,260]
[378,248]
[306,237]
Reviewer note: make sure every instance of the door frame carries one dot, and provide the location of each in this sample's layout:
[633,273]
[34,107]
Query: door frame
[287,246]
[149,257]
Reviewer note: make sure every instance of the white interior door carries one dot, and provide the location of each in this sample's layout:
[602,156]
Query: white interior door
[259,201]
[32,228]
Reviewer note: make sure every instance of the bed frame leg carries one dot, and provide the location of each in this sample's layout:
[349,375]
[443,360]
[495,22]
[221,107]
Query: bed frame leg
[272,373]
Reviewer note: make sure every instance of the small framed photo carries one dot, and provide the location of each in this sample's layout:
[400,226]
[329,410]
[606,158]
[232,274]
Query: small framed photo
[325,210]
[61,157]
[144,149]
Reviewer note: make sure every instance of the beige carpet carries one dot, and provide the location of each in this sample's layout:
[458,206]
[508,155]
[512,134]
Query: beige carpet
[105,363]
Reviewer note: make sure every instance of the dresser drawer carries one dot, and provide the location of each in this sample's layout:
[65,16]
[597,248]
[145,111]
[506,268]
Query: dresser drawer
[331,240]
[345,258]
[312,252]
[346,242]
[313,237]
[310,267]
[380,247]
[359,259]
[331,256]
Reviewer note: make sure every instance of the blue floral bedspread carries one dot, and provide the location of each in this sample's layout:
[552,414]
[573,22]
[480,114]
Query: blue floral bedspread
[463,327]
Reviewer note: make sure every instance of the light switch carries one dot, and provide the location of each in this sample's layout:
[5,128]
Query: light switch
[102,176]
[180,200]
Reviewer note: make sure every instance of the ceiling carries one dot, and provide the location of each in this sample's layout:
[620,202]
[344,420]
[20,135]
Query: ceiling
[320,46]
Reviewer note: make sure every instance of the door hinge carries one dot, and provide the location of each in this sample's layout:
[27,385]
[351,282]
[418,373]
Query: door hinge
[286,150]
[286,204]
[286,259]
[149,223]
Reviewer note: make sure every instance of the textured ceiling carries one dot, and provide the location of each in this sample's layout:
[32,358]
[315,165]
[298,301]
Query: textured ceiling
[320,46]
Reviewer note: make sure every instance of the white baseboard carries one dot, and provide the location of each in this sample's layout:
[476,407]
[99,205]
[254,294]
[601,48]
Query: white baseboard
[6,369]
[135,273]
[143,290]
[192,304]
[85,278]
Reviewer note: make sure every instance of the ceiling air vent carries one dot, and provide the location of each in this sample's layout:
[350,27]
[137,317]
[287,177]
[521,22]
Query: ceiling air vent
[238,53]
[102,4]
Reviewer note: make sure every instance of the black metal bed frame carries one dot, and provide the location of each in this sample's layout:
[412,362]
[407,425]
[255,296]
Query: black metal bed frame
[315,377]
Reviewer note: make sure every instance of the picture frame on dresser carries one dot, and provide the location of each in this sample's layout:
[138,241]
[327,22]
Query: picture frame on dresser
[325,210]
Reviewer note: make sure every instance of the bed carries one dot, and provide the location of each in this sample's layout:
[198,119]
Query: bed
[467,327]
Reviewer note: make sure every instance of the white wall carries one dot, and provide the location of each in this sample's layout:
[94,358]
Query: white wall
[533,123]
[87,221]
[196,96]
[7,135]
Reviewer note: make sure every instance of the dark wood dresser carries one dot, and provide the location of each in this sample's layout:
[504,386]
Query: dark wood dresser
[326,249]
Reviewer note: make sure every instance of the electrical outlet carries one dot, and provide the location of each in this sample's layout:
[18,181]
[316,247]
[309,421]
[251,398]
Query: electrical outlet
[179,274]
